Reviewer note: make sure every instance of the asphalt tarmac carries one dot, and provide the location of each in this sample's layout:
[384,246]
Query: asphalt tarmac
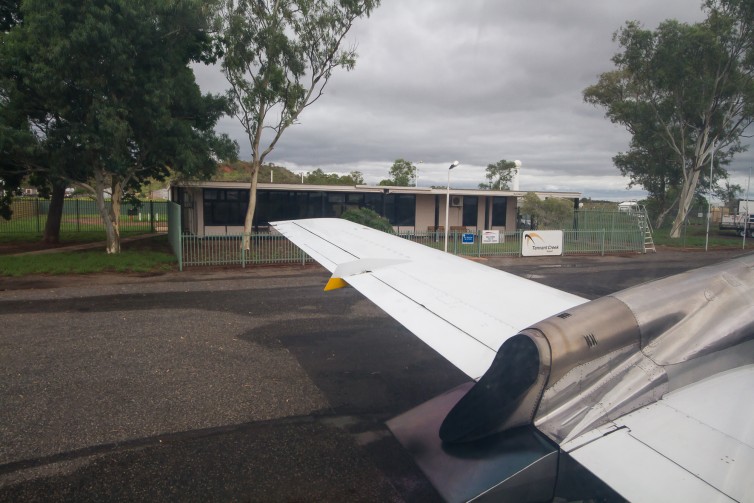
[229,385]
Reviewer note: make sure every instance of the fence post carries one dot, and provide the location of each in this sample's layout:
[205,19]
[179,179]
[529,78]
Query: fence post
[603,243]
[151,215]
[479,247]
[520,235]
[38,212]
[243,250]
[78,216]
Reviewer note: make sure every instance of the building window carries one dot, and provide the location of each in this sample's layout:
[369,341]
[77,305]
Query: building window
[499,211]
[405,206]
[357,199]
[400,209]
[228,206]
[225,206]
[373,202]
[273,205]
[335,205]
[470,211]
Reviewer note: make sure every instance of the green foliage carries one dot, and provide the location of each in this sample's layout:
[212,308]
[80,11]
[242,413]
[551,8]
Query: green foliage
[368,217]
[357,177]
[87,262]
[319,177]
[67,237]
[551,213]
[402,174]
[10,14]
[729,194]
[499,175]
[142,255]
[106,89]
[240,171]
[695,237]
[686,94]
[587,203]
[278,56]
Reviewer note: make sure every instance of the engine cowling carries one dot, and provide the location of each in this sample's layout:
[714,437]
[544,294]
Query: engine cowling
[595,362]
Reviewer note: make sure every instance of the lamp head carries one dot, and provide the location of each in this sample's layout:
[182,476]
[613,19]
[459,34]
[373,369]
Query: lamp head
[455,163]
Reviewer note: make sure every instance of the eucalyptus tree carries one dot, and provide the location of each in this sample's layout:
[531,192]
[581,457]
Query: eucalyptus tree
[319,177]
[550,213]
[10,177]
[108,97]
[692,86]
[402,174]
[499,175]
[651,164]
[278,56]
[10,14]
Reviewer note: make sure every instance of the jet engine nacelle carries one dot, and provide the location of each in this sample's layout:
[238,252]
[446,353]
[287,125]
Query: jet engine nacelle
[598,361]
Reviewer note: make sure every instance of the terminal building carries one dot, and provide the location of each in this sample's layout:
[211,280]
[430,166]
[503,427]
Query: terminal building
[219,208]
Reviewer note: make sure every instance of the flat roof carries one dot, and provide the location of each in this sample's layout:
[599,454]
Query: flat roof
[373,188]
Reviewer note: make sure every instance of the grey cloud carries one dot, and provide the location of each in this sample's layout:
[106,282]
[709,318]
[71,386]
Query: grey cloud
[479,81]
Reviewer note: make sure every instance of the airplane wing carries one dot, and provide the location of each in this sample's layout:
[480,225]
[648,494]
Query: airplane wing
[694,445]
[649,389]
[462,309]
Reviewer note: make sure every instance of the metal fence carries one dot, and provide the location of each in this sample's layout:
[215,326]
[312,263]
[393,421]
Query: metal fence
[591,232]
[609,221]
[30,215]
[228,250]
[174,231]
[509,243]
[269,248]
[602,241]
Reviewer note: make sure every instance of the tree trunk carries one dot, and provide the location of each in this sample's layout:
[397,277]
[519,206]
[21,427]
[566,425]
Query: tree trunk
[246,243]
[661,217]
[111,230]
[54,214]
[664,213]
[684,202]
[114,213]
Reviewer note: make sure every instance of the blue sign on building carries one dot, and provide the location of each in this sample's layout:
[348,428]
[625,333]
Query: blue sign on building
[468,238]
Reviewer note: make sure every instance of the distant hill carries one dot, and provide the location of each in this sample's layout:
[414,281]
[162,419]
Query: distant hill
[239,172]
[270,173]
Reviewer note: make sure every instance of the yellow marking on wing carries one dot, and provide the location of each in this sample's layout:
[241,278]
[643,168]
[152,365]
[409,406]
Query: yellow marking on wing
[335,283]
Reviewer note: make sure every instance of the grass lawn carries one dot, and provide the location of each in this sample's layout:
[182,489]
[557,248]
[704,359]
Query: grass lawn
[147,255]
[695,235]
[66,237]
[154,254]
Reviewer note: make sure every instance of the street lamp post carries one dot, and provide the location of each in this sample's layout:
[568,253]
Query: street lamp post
[447,204]
[416,174]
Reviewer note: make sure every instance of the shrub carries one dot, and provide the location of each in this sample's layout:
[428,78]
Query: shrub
[368,217]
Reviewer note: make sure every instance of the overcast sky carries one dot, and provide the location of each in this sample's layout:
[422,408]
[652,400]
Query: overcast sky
[475,81]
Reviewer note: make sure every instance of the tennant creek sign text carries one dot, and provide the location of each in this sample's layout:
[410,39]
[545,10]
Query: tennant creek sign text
[541,243]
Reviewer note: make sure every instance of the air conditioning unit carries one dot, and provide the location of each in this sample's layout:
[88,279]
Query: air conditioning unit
[456,201]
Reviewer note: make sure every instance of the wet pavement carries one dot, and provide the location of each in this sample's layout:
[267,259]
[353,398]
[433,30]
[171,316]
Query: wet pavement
[229,385]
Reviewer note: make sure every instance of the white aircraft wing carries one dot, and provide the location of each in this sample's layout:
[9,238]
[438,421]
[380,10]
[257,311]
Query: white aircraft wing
[463,310]
[694,445]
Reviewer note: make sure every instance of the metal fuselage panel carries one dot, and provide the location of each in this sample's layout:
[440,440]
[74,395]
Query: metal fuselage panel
[614,355]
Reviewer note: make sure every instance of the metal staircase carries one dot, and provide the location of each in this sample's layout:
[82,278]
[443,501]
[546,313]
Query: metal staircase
[646,228]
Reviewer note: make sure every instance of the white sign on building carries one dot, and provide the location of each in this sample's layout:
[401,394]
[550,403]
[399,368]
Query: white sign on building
[542,243]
